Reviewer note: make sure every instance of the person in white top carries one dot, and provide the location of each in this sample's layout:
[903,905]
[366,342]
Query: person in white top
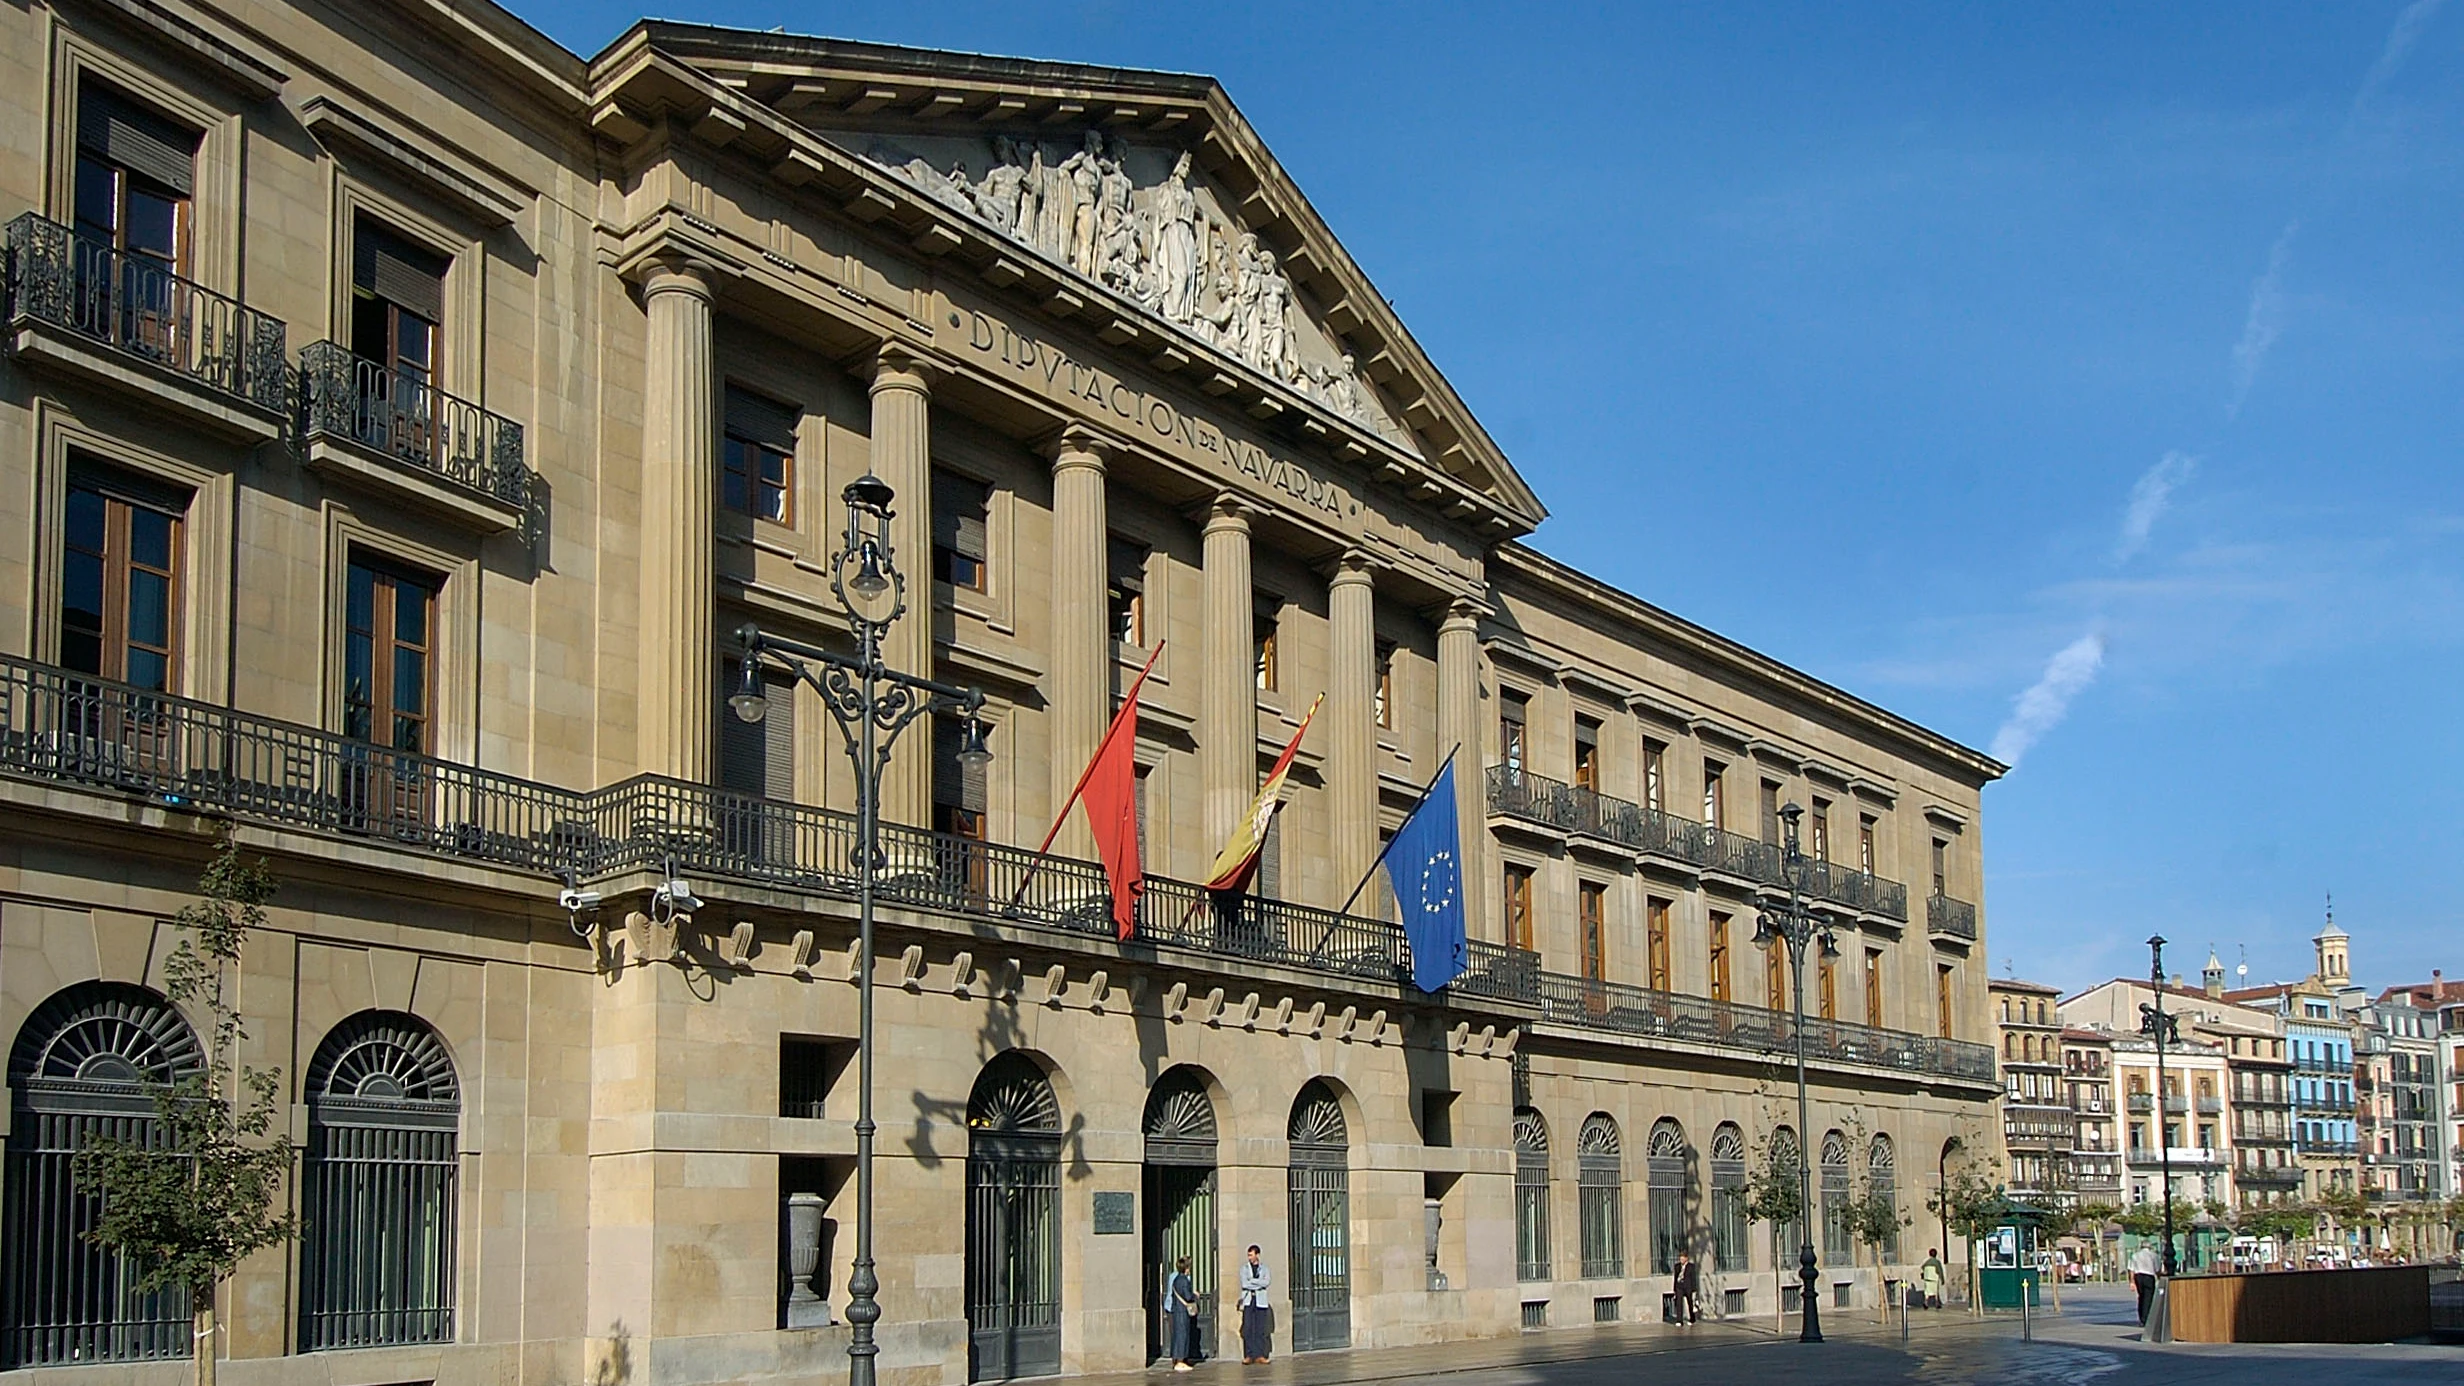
[2144,1268]
[1257,1319]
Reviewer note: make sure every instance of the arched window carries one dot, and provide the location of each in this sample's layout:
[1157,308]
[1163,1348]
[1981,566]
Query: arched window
[1665,1159]
[377,1192]
[1320,1214]
[1882,1175]
[1728,1245]
[1787,1162]
[1600,1165]
[1531,1195]
[1835,1240]
[85,1065]
[1013,1222]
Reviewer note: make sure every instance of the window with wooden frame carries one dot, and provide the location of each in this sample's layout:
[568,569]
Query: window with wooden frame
[1587,754]
[1266,631]
[1593,913]
[757,457]
[1655,789]
[1820,819]
[1513,737]
[1826,986]
[389,655]
[1655,943]
[135,178]
[120,590]
[1715,794]
[1384,704]
[1775,975]
[1865,843]
[959,808]
[1719,955]
[397,304]
[1125,590]
[1873,987]
[1771,812]
[961,507]
[1941,865]
[1518,906]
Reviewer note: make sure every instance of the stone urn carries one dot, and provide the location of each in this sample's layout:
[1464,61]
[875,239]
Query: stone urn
[805,1309]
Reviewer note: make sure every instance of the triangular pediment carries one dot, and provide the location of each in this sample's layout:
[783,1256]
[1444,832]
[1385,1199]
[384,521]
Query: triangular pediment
[1148,188]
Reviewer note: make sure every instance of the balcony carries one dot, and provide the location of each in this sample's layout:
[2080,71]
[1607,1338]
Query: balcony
[2210,1106]
[126,321]
[1520,794]
[66,729]
[2141,1102]
[2181,1156]
[397,433]
[1949,918]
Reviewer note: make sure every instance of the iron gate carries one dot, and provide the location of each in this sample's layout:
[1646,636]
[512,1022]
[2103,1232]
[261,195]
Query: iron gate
[1013,1223]
[1321,1222]
[1179,1206]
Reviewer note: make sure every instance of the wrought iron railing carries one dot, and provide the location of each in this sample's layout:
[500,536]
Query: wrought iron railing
[136,305]
[408,419]
[64,727]
[1518,793]
[1956,918]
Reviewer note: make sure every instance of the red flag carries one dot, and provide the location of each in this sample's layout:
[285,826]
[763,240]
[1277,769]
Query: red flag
[1110,791]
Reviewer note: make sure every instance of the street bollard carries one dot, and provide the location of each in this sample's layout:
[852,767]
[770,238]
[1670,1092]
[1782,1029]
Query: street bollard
[1903,1313]
[2027,1312]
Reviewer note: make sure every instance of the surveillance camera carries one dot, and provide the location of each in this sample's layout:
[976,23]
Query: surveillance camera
[575,901]
[680,895]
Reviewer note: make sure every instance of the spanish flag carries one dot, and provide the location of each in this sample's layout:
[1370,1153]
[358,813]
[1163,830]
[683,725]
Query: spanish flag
[1238,861]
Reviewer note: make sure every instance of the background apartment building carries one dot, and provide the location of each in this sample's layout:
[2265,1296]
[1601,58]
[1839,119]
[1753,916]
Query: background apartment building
[2096,1151]
[2039,1129]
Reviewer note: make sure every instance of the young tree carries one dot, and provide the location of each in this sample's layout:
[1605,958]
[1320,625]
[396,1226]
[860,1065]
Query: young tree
[1970,1204]
[200,1195]
[1774,1195]
[1873,1217]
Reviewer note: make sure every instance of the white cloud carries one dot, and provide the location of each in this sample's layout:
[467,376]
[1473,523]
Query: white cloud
[2265,320]
[2149,497]
[2400,39]
[2047,701]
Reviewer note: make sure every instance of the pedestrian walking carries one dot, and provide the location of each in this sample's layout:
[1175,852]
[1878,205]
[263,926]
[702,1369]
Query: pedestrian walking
[1689,1289]
[2143,1269]
[1182,1301]
[1929,1278]
[1257,1315]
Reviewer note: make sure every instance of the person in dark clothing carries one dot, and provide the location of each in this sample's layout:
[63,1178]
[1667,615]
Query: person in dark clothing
[1257,1315]
[1183,1302]
[1689,1288]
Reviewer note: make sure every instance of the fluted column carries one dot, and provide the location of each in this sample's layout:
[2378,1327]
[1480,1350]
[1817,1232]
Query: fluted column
[679,487]
[1081,643]
[902,449]
[1228,686]
[1458,725]
[1351,706]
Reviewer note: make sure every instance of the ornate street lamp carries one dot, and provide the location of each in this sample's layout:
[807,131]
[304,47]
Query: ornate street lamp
[2164,1030]
[871,703]
[1796,926]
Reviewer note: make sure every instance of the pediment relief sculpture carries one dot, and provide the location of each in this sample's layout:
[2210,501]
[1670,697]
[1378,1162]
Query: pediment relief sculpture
[1162,242]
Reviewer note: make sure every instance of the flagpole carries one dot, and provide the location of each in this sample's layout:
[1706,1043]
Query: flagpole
[1071,802]
[1425,791]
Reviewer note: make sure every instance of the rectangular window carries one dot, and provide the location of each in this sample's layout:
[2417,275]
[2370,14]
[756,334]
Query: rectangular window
[1821,819]
[961,507]
[1384,705]
[1770,812]
[757,457]
[388,656]
[1267,632]
[1719,956]
[1513,714]
[759,758]
[1586,754]
[1865,843]
[1873,987]
[1775,975]
[1942,853]
[135,174]
[1518,906]
[1594,911]
[1942,999]
[1655,791]
[1125,591]
[120,588]
[397,302]
[1827,984]
[1715,795]
[1655,938]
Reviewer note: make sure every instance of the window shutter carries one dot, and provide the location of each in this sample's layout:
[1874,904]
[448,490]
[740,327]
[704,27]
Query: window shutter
[759,757]
[1270,861]
[958,514]
[761,420]
[955,784]
[408,276]
[121,131]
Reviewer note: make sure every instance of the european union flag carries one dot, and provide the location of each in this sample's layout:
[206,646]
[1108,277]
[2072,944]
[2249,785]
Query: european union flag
[1424,863]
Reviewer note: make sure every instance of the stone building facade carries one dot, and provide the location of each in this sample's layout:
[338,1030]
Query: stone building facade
[399,412]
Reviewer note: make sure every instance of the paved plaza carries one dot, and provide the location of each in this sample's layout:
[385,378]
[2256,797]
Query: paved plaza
[2093,1339]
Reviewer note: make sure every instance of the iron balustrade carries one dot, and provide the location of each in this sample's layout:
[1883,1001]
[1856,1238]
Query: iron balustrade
[63,727]
[1518,793]
[407,418]
[1956,918]
[135,305]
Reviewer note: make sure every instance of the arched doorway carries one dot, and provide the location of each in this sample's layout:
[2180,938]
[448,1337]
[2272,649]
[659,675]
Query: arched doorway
[1178,1211]
[84,1066]
[1321,1218]
[1013,1222]
[1664,1168]
[377,1202]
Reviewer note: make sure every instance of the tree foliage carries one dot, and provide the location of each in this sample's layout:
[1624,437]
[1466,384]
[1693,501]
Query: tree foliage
[1969,1202]
[201,1194]
[1872,1215]
[1774,1192]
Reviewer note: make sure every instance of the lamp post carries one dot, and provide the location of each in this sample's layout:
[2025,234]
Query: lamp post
[871,703]
[2163,1029]
[1792,924]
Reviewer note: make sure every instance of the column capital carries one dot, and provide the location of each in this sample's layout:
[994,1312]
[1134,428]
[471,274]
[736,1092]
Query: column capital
[1228,512]
[1463,613]
[1081,446]
[679,274]
[898,366]
[1350,567]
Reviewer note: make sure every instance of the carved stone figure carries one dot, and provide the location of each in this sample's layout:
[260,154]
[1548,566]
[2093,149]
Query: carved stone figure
[997,200]
[1176,244]
[1271,329]
[1084,172]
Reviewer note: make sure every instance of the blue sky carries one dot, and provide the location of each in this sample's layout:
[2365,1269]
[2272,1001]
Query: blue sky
[2082,384]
